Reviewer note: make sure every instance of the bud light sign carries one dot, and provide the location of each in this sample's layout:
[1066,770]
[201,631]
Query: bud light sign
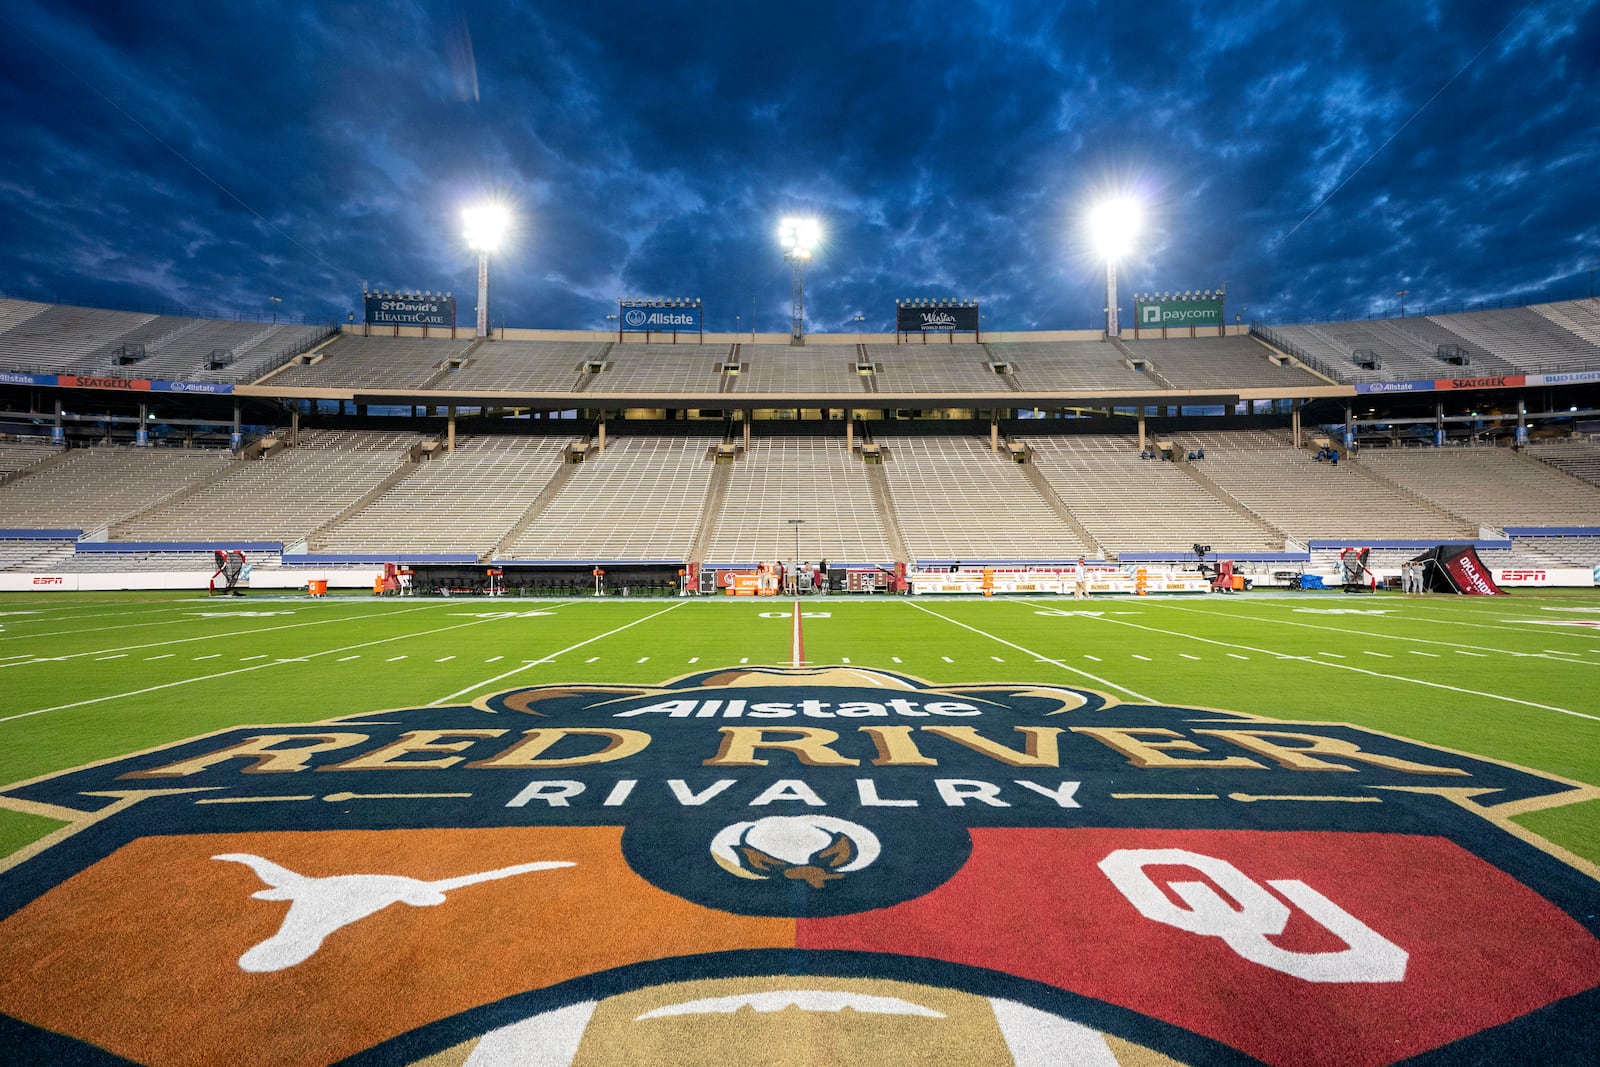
[667,319]
[397,309]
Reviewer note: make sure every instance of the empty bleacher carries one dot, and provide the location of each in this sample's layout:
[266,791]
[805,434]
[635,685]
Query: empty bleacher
[463,501]
[809,369]
[552,366]
[640,499]
[20,455]
[93,487]
[1290,490]
[1069,366]
[955,499]
[1131,504]
[661,368]
[1495,487]
[283,498]
[354,362]
[1217,362]
[1524,339]
[1577,456]
[936,368]
[812,479]
[53,339]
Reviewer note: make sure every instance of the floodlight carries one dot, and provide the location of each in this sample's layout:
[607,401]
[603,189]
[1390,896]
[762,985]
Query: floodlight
[486,225]
[799,235]
[1114,225]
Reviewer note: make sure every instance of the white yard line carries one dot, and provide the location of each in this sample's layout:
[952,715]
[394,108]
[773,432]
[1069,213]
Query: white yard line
[209,637]
[241,670]
[570,648]
[1035,655]
[797,643]
[1348,667]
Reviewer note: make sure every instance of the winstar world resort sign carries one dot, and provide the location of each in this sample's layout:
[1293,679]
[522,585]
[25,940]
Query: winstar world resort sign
[757,858]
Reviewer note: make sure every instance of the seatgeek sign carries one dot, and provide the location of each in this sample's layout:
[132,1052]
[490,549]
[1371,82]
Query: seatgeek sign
[1150,314]
[659,319]
[406,310]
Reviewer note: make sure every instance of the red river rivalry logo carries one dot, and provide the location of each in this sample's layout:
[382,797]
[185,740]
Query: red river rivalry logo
[813,865]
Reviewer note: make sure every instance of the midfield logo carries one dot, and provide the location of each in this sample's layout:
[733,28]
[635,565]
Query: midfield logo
[616,870]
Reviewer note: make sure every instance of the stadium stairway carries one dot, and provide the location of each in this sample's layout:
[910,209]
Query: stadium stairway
[711,512]
[1193,472]
[1140,363]
[1395,487]
[883,504]
[1062,509]
[451,365]
[404,471]
[116,529]
[34,468]
[552,489]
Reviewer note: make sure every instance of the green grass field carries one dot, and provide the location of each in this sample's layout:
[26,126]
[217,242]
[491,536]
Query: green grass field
[91,677]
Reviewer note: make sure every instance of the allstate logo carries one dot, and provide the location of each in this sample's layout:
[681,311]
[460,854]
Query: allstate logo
[634,317]
[814,849]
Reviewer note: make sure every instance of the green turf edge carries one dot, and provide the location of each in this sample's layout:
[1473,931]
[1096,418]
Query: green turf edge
[1575,827]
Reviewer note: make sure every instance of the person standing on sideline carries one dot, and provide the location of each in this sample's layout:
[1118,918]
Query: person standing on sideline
[1080,584]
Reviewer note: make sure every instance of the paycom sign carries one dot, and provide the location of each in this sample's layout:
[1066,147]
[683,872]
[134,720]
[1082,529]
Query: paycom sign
[1152,314]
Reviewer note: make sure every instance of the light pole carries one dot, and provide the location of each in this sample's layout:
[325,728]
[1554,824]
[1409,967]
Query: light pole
[798,237]
[274,301]
[1113,226]
[486,225]
[1401,293]
[796,523]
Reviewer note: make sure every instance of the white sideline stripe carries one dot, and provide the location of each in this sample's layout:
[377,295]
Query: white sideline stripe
[240,670]
[553,655]
[795,639]
[1358,670]
[206,637]
[1037,656]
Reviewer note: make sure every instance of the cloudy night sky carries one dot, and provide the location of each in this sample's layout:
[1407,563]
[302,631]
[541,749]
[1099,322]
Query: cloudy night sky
[214,156]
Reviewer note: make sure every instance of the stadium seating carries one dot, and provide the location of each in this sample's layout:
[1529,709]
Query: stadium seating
[813,479]
[1131,504]
[553,366]
[93,487]
[1288,489]
[1494,487]
[955,499]
[661,368]
[1206,362]
[1069,366]
[639,499]
[816,368]
[351,361]
[1577,456]
[19,455]
[462,501]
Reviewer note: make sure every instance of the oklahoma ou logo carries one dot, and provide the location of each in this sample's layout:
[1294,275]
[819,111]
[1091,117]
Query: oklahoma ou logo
[1367,957]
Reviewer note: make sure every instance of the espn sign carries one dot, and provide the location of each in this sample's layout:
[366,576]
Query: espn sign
[1547,577]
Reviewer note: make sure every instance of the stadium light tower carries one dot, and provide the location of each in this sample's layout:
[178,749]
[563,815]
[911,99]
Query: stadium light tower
[486,225]
[1113,226]
[798,237]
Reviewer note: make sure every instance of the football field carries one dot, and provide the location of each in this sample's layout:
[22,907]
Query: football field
[1517,678]
[1127,831]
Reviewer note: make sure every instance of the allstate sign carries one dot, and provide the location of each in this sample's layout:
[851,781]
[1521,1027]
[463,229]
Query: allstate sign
[660,319]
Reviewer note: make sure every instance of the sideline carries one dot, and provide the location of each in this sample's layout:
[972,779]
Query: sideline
[1041,658]
[546,659]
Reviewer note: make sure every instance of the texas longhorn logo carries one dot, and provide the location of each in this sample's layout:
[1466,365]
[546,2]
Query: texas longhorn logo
[754,858]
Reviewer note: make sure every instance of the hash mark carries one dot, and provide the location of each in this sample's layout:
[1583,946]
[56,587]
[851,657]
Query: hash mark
[342,659]
[1236,655]
[393,659]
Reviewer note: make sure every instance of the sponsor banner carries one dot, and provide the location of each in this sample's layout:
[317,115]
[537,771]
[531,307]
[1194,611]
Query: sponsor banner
[396,310]
[39,583]
[1499,381]
[9,377]
[1154,314]
[728,861]
[81,381]
[1569,378]
[1416,385]
[659,319]
[950,318]
[218,388]
[1564,577]
[1101,580]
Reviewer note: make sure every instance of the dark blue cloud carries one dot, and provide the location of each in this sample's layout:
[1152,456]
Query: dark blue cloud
[158,156]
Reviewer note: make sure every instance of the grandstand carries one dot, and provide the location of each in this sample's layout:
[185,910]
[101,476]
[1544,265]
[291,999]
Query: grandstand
[391,484]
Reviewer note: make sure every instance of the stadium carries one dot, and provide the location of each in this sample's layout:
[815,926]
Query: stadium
[1157,679]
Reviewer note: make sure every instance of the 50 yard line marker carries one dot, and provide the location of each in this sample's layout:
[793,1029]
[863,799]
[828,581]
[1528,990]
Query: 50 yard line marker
[797,641]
